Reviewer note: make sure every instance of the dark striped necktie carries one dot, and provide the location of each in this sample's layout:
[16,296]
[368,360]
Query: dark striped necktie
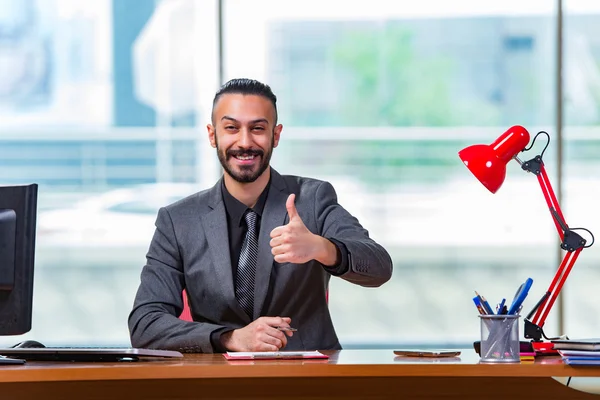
[244,286]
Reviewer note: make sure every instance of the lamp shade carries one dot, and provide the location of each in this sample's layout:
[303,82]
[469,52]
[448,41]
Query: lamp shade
[488,161]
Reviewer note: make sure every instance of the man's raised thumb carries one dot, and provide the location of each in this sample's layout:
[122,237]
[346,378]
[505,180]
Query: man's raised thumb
[291,207]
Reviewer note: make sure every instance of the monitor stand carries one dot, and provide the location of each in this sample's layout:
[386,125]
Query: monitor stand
[10,361]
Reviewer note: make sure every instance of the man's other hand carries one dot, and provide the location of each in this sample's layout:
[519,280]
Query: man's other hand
[260,335]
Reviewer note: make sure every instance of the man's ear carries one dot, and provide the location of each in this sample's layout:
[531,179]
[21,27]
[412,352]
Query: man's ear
[211,135]
[277,134]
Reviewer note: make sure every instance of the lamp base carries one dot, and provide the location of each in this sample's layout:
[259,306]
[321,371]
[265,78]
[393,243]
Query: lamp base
[544,348]
[536,333]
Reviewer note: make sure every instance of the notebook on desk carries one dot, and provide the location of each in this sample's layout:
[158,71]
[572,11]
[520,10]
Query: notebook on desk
[88,354]
[577,344]
[579,353]
[582,361]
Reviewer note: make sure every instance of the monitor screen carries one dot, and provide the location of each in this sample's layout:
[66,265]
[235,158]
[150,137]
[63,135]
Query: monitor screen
[18,210]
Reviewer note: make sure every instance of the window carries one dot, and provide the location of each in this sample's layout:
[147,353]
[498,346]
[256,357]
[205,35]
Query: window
[378,98]
[375,97]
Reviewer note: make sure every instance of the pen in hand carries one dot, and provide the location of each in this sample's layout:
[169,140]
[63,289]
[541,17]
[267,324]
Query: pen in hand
[286,328]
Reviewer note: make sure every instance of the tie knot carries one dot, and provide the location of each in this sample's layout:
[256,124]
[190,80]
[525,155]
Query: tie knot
[250,217]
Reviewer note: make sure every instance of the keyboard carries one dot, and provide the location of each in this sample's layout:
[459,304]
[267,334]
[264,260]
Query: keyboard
[88,354]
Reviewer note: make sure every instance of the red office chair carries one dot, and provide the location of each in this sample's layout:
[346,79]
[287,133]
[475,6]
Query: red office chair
[186,314]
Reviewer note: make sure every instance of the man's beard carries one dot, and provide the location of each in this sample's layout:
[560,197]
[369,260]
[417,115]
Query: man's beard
[244,173]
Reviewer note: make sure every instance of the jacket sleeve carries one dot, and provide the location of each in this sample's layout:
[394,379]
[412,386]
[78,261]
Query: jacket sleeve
[370,264]
[153,322]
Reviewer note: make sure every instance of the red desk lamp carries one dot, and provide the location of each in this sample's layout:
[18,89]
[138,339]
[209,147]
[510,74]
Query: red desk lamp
[488,164]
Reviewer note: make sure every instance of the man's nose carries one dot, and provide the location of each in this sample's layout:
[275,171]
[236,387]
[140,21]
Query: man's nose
[245,139]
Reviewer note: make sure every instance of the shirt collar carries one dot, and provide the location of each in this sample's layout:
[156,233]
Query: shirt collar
[236,209]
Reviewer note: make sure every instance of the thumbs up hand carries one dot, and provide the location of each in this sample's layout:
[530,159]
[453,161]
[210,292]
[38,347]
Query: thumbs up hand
[294,243]
[290,206]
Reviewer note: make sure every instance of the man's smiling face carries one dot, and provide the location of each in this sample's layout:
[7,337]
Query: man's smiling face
[244,134]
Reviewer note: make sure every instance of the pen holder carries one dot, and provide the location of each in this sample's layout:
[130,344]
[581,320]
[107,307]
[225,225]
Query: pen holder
[500,338]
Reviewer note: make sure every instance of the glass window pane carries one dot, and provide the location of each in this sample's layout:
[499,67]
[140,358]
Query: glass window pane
[100,104]
[581,167]
[378,98]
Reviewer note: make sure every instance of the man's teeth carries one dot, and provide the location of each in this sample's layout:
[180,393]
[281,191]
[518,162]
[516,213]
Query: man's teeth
[245,157]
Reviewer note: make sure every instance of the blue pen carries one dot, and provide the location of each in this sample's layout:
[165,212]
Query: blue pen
[478,305]
[520,296]
[501,306]
[485,304]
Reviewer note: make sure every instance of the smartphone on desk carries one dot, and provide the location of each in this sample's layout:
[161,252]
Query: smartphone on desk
[427,353]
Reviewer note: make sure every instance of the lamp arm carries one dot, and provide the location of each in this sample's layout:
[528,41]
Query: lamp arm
[572,242]
[536,166]
[552,201]
[533,327]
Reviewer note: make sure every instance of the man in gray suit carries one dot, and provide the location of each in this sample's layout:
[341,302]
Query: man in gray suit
[255,252]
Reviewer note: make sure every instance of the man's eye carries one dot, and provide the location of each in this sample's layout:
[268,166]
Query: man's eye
[258,128]
[230,127]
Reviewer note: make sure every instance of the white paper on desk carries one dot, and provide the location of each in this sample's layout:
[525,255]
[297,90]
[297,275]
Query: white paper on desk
[580,353]
[270,355]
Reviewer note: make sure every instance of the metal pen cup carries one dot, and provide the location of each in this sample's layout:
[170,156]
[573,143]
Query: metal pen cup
[500,339]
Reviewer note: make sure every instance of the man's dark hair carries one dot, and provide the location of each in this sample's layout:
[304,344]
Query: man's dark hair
[247,87]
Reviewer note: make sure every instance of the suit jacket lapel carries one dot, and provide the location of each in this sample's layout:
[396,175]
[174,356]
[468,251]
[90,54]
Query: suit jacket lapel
[273,215]
[215,228]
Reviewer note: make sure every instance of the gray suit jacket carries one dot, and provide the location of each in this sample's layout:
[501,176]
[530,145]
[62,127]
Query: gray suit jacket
[190,250]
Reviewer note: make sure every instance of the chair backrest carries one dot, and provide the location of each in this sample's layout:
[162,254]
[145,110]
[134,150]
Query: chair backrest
[186,314]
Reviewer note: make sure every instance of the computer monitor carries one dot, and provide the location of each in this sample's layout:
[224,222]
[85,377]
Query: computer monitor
[18,211]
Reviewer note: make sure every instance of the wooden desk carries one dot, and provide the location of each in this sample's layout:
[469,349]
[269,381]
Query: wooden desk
[348,374]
